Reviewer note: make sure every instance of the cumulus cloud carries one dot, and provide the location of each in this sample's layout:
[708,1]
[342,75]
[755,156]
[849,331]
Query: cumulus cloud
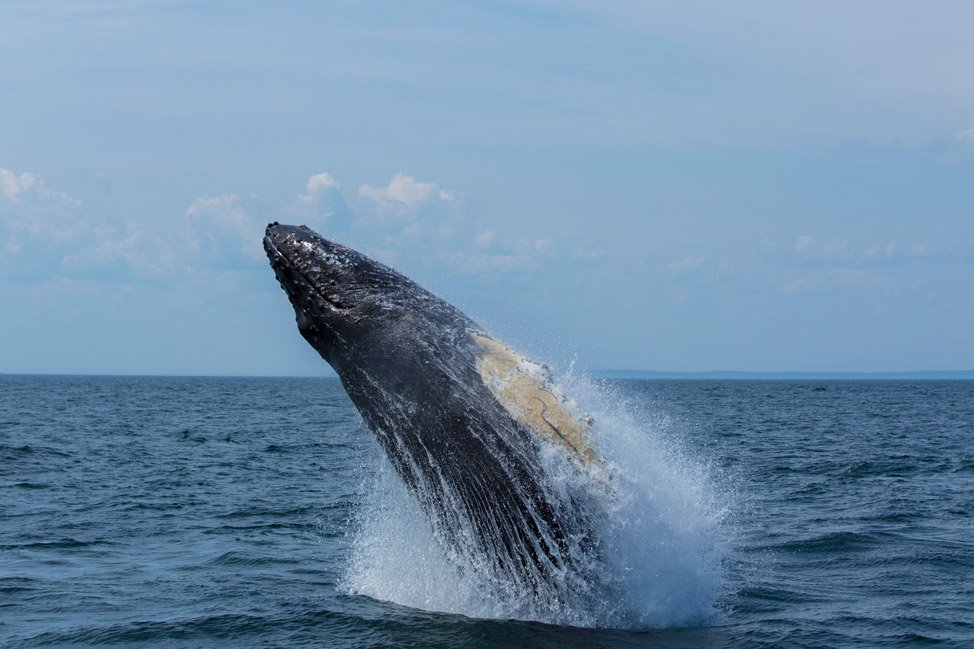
[409,218]
[28,187]
[319,182]
[965,138]
[323,204]
[48,234]
[404,194]
[12,185]
[38,226]
[119,251]
[416,225]
[223,229]
[409,223]
[687,264]
[696,269]
[29,209]
[504,257]
[878,266]
[484,238]
[588,255]
[950,149]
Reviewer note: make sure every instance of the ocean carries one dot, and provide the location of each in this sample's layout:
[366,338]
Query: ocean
[245,512]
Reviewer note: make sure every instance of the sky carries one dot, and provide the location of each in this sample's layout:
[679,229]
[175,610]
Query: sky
[754,186]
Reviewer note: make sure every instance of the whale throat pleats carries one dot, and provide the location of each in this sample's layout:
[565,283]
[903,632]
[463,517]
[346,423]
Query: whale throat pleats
[529,394]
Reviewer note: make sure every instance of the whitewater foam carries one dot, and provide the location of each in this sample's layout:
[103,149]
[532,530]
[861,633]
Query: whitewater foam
[659,525]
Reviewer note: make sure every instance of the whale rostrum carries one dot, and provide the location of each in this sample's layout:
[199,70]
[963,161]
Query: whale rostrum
[482,437]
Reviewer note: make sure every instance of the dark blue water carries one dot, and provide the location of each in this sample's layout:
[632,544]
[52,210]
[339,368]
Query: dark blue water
[221,512]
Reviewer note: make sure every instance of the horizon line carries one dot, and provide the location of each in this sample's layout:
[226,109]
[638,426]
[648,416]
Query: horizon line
[595,374]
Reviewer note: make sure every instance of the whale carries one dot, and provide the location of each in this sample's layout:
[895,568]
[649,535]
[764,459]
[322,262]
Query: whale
[501,461]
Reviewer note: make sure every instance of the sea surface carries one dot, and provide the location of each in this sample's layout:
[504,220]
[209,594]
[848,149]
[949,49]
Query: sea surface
[242,512]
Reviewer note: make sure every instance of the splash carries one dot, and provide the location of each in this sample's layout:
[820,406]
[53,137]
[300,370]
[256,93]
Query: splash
[659,527]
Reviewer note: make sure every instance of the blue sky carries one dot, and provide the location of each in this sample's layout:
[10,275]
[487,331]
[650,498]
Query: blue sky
[757,186]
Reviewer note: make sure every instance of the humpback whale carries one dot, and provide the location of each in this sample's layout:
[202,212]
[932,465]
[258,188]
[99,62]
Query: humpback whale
[482,437]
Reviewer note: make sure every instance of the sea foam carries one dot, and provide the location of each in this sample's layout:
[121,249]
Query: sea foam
[660,529]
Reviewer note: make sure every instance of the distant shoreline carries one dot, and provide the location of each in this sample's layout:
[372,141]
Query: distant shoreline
[922,375]
[930,375]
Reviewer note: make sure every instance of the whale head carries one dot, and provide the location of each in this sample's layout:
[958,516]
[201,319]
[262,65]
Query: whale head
[339,295]
[331,287]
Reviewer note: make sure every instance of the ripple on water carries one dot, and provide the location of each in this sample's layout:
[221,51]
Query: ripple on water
[216,513]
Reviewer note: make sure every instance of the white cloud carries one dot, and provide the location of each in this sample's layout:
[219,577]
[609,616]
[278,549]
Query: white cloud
[322,204]
[879,250]
[416,219]
[408,223]
[37,226]
[127,248]
[964,137]
[404,193]
[29,208]
[503,256]
[11,185]
[809,248]
[484,238]
[46,234]
[875,268]
[804,243]
[696,270]
[588,255]
[415,225]
[321,181]
[544,246]
[840,252]
[687,264]
[222,230]
[15,189]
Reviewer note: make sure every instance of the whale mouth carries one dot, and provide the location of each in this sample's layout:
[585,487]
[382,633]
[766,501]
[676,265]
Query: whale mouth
[288,272]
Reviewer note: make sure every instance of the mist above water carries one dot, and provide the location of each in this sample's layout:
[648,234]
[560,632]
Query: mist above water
[659,528]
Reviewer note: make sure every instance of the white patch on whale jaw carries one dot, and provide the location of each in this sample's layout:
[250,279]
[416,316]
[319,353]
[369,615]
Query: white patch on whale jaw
[529,394]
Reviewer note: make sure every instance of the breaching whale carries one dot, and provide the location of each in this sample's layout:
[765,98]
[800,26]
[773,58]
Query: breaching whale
[482,437]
